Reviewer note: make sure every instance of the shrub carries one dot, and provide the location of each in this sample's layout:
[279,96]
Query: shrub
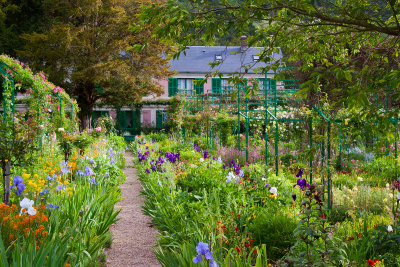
[275,231]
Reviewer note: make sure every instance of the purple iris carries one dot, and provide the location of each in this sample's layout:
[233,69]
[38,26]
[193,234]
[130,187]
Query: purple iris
[302,183]
[294,197]
[141,157]
[147,170]
[267,185]
[196,147]
[79,172]
[19,184]
[205,155]
[93,181]
[203,249]
[300,173]
[224,166]
[172,157]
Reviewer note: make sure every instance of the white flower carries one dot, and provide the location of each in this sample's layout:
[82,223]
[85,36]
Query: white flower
[263,179]
[201,159]
[60,129]
[360,178]
[230,177]
[219,160]
[27,204]
[139,150]
[31,211]
[273,190]
[390,228]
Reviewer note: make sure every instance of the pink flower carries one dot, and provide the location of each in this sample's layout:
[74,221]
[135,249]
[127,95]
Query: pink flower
[98,129]
[58,107]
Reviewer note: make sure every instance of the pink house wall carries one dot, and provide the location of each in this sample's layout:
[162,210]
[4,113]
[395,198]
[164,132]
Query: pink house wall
[146,117]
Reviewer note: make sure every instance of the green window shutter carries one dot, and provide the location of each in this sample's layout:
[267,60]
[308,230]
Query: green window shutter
[136,119]
[159,119]
[122,120]
[172,86]
[216,85]
[199,88]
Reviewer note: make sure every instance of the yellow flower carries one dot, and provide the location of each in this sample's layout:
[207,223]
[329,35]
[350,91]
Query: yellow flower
[26,175]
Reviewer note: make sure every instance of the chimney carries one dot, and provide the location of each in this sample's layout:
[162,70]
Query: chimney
[243,43]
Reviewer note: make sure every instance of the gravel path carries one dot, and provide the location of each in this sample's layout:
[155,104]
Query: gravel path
[133,239]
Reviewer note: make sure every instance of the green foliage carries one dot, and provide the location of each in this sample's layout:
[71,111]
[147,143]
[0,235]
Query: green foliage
[275,231]
[385,167]
[107,125]
[224,124]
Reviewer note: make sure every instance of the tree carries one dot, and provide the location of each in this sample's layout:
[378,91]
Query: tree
[18,17]
[346,49]
[94,50]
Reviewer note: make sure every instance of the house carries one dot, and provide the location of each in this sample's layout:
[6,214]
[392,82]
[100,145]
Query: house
[194,64]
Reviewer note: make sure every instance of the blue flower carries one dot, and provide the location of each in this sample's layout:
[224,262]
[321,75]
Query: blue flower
[79,172]
[202,249]
[51,206]
[106,175]
[18,183]
[93,181]
[65,168]
[93,163]
[88,171]
[60,187]
[44,192]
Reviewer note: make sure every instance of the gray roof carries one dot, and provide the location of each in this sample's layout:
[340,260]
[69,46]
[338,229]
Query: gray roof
[196,59]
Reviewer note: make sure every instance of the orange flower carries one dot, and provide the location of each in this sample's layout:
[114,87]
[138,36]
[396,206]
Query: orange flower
[68,265]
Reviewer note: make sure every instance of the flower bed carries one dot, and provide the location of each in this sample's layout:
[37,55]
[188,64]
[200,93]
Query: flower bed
[61,210]
[211,212]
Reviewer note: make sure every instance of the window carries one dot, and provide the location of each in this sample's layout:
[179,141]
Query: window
[256,57]
[218,58]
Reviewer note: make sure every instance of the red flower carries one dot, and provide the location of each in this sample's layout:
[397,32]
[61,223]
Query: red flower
[255,250]
[359,235]
[251,240]
[238,215]
[237,249]
[370,262]
[236,229]
[248,245]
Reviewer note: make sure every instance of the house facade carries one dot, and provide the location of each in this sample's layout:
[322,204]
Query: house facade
[194,64]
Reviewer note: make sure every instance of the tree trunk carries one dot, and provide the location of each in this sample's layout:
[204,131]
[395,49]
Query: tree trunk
[6,182]
[85,120]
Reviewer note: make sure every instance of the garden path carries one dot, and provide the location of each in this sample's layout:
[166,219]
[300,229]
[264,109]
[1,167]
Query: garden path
[132,235]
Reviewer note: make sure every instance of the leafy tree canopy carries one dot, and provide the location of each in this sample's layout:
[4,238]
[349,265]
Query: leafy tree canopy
[91,49]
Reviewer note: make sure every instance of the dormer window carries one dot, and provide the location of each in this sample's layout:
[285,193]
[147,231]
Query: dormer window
[218,58]
[256,57]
